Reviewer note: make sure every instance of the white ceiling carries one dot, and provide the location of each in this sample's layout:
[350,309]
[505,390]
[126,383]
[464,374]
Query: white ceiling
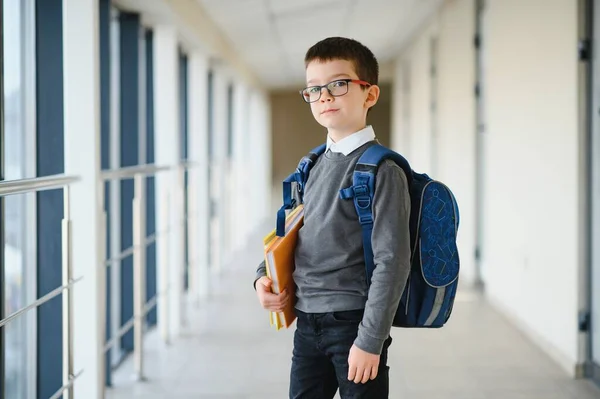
[272,36]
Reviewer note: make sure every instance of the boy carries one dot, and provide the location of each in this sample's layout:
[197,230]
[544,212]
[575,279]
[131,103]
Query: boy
[342,333]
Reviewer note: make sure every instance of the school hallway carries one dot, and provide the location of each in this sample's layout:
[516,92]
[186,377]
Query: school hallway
[228,351]
[143,146]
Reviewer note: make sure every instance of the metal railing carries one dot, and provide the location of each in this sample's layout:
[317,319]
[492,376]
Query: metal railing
[54,182]
[141,306]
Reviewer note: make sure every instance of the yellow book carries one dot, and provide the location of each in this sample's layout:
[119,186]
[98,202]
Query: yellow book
[274,319]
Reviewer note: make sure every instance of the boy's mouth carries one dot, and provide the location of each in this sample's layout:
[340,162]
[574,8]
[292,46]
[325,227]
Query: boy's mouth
[330,110]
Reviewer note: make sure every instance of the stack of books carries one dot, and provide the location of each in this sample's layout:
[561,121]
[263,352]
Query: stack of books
[279,259]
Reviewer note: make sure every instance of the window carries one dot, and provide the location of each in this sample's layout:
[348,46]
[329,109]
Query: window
[230,126]
[183,134]
[115,186]
[19,223]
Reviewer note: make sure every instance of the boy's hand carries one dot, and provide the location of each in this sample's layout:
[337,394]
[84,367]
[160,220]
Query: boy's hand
[268,300]
[363,365]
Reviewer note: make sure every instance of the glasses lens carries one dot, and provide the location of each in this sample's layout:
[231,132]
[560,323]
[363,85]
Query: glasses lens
[338,87]
[312,94]
[306,95]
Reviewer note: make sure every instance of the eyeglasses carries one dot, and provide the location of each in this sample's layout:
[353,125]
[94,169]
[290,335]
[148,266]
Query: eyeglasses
[336,88]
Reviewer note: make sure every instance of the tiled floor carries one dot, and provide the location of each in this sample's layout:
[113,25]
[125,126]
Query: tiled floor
[228,351]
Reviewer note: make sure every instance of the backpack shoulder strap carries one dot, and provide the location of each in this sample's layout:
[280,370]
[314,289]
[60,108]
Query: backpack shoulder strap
[305,165]
[363,191]
[300,177]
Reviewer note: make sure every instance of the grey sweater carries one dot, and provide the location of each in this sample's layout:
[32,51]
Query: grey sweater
[330,268]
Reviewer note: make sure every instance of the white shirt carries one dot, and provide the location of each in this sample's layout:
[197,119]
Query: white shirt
[352,142]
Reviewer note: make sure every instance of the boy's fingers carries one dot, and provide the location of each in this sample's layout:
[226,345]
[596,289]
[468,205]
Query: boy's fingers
[359,375]
[277,299]
[265,282]
[263,288]
[374,372]
[281,298]
[274,302]
[281,303]
[267,298]
[366,375]
[351,372]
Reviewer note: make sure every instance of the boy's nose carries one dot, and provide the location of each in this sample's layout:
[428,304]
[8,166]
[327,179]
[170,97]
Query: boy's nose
[325,95]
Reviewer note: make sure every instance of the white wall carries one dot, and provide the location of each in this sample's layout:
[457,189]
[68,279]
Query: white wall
[418,60]
[531,235]
[260,163]
[238,224]
[531,229]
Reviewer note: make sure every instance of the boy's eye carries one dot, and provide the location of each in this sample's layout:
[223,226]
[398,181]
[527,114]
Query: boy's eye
[313,90]
[339,83]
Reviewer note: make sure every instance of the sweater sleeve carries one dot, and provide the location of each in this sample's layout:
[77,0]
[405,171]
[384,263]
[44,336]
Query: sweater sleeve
[391,251]
[261,271]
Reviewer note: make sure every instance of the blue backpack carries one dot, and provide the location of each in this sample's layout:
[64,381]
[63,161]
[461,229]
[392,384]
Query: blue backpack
[429,294]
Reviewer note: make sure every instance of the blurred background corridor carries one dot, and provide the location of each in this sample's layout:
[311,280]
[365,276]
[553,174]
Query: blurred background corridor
[142,148]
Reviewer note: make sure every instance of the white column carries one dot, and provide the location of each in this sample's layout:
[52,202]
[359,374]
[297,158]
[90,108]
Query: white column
[246,161]
[254,163]
[251,162]
[240,169]
[169,198]
[219,165]
[265,126]
[82,158]
[198,153]
[261,150]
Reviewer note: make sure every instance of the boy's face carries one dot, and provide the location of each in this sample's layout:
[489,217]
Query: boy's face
[341,115]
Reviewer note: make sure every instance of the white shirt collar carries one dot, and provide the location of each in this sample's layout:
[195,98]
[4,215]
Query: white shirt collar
[352,142]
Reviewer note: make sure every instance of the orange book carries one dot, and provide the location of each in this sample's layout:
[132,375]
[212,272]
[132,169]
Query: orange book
[279,259]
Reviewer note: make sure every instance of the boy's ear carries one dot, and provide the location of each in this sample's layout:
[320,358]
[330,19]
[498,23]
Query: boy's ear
[372,96]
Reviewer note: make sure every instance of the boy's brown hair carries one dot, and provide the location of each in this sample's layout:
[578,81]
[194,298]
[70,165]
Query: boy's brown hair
[341,48]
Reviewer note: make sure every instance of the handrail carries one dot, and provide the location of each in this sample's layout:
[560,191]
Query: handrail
[189,164]
[130,251]
[142,306]
[125,328]
[122,331]
[130,172]
[21,186]
[119,257]
[64,388]
[39,302]
[150,304]
[141,240]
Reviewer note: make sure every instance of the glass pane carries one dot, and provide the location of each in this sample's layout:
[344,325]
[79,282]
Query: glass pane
[15,253]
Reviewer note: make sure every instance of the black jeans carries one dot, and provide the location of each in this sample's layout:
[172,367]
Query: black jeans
[322,342]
